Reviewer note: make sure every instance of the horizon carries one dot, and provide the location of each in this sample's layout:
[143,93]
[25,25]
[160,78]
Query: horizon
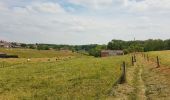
[85,44]
[82,22]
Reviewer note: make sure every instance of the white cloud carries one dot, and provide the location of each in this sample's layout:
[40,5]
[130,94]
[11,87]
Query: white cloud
[49,22]
[46,7]
[3,7]
[148,5]
[95,4]
[132,5]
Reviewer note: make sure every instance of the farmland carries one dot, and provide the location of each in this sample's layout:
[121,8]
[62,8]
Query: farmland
[62,75]
[73,76]
[30,53]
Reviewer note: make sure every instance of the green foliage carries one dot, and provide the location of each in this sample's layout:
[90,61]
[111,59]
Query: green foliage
[31,46]
[116,45]
[23,45]
[152,45]
[97,50]
[139,46]
[135,48]
[42,47]
[167,44]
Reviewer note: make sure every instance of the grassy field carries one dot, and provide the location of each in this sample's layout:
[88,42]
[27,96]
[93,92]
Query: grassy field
[80,77]
[163,55]
[31,53]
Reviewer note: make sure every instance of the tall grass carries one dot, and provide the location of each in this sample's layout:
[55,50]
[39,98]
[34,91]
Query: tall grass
[78,78]
[164,56]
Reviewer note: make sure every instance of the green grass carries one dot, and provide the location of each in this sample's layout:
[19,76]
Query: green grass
[32,53]
[163,55]
[77,78]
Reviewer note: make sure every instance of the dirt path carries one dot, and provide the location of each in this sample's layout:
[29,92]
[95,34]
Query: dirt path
[133,89]
[144,82]
[141,86]
[157,81]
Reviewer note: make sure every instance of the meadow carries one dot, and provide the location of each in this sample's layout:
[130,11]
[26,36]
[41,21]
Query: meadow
[31,53]
[73,76]
[164,57]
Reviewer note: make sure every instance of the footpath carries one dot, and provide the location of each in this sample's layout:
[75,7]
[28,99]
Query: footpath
[143,82]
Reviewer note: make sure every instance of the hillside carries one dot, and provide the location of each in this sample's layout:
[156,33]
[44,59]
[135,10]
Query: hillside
[33,53]
[67,78]
[84,77]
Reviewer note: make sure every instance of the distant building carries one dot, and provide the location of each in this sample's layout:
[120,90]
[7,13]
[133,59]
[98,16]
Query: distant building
[4,44]
[16,45]
[106,53]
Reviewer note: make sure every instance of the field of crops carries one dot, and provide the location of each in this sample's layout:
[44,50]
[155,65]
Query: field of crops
[68,78]
[164,57]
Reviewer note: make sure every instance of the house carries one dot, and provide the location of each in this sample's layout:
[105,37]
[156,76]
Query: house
[106,53]
[4,44]
[16,45]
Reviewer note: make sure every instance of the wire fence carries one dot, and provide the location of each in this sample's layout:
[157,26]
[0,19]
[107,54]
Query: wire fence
[157,60]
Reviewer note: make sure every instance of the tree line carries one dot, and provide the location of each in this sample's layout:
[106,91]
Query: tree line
[139,46]
[95,49]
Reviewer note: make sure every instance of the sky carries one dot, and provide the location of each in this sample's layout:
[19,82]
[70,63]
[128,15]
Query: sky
[83,21]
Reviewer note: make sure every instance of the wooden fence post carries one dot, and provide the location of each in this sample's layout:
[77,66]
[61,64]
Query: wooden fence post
[132,61]
[123,76]
[158,63]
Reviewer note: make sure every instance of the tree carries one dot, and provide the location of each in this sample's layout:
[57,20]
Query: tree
[23,45]
[97,50]
[42,47]
[31,46]
[116,45]
[152,45]
[167,44]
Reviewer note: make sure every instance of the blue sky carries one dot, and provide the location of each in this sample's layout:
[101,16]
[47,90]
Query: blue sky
[83,21]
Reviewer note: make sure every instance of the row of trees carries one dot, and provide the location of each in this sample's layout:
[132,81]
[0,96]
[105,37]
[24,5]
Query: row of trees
[132,46]
[139,46]
[94,49]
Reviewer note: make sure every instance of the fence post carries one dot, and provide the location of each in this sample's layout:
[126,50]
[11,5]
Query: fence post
[132,61]
[158,63]
[123,76]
